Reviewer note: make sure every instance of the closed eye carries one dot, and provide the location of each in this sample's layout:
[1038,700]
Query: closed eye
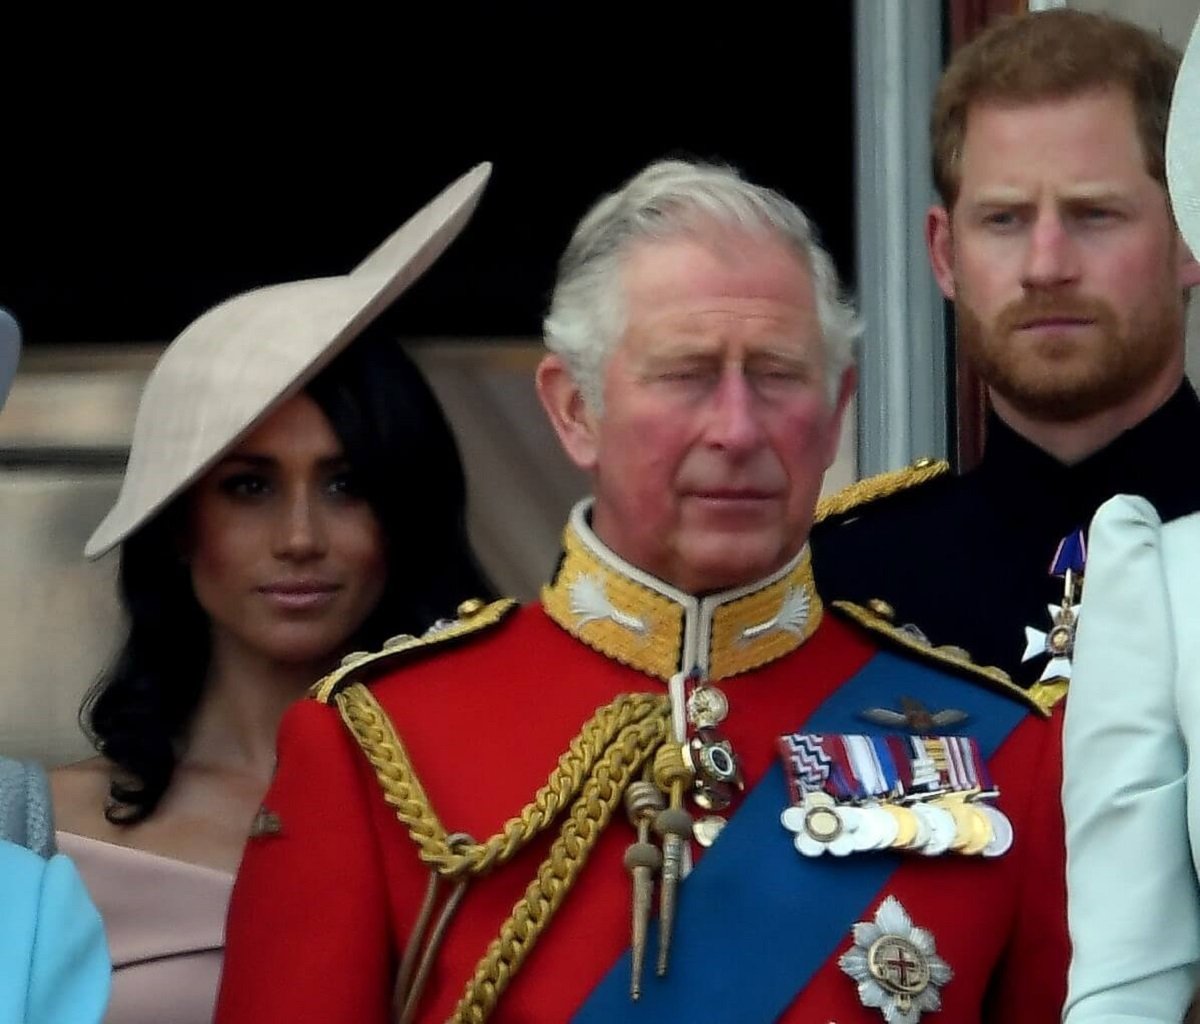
[782,374]
[775,371]
[693,371]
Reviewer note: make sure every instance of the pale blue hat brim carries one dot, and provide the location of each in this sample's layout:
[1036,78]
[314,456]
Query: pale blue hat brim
[10,352]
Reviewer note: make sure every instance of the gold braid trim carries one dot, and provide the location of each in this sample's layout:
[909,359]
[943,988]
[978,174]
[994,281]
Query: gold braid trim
[880,486]
[588,817]
[377,737]
[1049,693]
[952,656]
[474,616]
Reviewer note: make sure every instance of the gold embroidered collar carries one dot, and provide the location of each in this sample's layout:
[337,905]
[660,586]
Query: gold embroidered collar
[641,621]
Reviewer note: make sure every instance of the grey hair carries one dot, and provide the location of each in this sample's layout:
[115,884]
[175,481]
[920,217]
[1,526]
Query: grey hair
[665,200]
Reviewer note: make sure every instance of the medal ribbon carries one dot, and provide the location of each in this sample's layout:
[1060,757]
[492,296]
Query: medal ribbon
[1070,555]
[807,766]
[843,783]
[901,759]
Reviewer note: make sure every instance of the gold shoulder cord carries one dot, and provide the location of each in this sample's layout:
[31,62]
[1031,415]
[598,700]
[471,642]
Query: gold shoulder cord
[609,752]
[882,485]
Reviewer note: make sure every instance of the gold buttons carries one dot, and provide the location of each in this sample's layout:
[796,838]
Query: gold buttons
[882,609]
[471,607]
[399,640]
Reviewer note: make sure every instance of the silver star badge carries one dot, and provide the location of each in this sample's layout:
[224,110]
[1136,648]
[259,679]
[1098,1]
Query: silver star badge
[1059,643]
[896,965]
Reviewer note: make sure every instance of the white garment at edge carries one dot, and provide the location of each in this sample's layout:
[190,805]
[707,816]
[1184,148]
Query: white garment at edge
[1131,792]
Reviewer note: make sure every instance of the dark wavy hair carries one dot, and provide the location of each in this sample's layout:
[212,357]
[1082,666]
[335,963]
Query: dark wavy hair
[406,463]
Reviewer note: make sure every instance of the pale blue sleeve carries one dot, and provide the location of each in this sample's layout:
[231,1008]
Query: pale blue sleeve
[1133,905]
[70,973]
[26,817]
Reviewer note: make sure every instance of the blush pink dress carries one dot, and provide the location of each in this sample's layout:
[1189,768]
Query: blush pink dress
[165,921]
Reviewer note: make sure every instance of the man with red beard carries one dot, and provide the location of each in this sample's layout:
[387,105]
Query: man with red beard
[1056,242]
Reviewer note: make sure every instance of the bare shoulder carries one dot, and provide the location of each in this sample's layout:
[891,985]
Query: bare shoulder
[79,791]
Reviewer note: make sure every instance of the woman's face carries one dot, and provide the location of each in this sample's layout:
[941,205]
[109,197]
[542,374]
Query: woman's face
[287,558]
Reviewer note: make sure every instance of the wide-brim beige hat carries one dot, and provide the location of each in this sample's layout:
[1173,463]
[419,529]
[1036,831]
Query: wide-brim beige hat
[238,362]
[1183,145]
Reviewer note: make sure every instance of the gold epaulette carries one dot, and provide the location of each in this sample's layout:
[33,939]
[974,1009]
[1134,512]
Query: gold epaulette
[473,616]
[882,485]
[1042,697]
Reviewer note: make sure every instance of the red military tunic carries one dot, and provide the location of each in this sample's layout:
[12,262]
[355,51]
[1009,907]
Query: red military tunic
[322,910]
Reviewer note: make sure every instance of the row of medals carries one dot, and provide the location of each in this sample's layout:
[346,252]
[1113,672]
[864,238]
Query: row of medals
[932,824]
[958,822]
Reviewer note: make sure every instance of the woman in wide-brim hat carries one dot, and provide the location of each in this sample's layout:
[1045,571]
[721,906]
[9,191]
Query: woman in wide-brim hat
[293,492]
[1131,788]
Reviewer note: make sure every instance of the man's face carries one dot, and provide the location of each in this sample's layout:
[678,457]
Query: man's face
[1062,258]
[717,428]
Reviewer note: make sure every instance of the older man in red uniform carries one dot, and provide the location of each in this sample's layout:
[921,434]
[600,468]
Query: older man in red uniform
[679,787]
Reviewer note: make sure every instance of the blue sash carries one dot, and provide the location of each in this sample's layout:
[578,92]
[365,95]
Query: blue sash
[756,920]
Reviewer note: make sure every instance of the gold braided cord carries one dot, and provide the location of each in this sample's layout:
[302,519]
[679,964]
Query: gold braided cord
[377,737]
[670,768]
[881,485]
[589,815]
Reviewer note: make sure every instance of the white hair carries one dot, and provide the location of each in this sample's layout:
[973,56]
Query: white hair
[668,199]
